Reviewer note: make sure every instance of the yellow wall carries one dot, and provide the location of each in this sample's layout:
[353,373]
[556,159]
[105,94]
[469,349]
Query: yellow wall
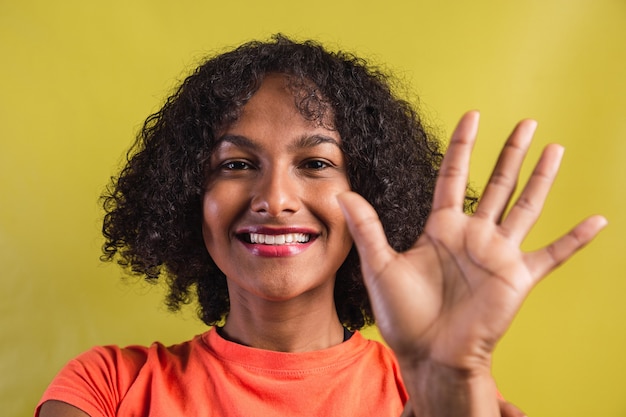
[77,80]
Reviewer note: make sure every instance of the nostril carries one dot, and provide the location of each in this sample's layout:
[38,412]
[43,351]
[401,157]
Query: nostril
[275,197]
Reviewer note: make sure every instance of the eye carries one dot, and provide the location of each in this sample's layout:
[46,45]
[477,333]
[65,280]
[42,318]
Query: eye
[315,164]
[236,166]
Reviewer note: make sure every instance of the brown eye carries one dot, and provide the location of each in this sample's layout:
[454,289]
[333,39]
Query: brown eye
[316,164]
[236,166]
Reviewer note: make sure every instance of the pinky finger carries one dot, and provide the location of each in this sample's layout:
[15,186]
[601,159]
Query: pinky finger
[544,260]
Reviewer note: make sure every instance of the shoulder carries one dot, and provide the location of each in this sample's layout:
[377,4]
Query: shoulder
[122,366]
[378,358]
[382,353]
[98,379]
[131,359]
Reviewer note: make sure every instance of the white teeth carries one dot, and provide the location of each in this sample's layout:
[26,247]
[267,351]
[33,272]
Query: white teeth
[279,239]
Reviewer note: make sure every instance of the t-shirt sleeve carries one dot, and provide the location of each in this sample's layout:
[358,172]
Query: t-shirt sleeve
[97,380]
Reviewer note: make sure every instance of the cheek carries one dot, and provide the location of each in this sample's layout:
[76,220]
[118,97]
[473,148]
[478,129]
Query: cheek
[216,208]
[328,207]
[207,226]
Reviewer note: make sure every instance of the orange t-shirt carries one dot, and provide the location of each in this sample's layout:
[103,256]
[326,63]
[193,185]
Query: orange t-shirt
[210,376]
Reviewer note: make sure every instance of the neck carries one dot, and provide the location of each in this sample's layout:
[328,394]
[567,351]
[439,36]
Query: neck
[296,325]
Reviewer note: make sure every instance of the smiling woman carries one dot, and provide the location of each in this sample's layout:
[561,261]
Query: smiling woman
[253,188]
[278,181]
[153,223]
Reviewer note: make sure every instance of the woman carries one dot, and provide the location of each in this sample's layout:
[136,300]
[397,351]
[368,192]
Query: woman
[252,190]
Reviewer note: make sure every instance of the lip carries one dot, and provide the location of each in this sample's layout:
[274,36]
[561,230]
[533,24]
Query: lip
[276,251]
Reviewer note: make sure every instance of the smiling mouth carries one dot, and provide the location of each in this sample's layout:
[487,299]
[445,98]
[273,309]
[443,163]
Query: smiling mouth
[276,240]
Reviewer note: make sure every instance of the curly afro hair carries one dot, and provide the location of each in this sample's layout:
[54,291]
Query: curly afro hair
[153,220]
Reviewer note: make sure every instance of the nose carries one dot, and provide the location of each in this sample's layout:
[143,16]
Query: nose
[276,193]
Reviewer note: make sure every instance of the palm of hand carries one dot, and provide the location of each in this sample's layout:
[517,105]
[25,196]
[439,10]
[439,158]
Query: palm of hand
[452,296]
[460,271]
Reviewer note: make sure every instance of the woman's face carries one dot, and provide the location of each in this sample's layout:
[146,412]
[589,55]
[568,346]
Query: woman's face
[271,219]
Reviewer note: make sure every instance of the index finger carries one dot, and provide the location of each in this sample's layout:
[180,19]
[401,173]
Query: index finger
[454,171]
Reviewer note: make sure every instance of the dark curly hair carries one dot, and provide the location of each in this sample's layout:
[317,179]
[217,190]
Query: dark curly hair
[154,207]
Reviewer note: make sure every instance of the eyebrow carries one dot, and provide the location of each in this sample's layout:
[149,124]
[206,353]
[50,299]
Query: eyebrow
[237,140]
[302,142]
[311,141]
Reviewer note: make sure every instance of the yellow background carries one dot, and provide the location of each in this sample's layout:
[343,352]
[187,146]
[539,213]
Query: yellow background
[77,79]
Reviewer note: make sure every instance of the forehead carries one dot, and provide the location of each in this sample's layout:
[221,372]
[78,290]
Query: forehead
[274,97]
[281,105]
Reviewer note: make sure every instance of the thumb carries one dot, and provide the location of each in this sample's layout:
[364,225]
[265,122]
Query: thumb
[367,232]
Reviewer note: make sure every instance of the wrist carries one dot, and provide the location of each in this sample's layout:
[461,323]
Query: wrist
[438,390]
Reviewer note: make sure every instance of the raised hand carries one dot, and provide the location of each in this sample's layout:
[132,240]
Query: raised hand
[451,297]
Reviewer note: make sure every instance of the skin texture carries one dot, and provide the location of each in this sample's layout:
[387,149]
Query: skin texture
[275,171]
[443,304]
[60,409]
